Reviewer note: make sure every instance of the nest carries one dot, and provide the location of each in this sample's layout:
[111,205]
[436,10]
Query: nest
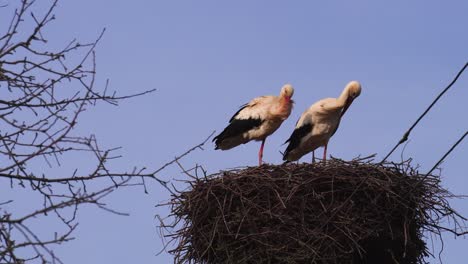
[333,212]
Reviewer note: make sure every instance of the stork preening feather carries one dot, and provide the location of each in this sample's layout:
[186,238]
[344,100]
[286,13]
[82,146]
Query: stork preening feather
[256,120]
[319,123]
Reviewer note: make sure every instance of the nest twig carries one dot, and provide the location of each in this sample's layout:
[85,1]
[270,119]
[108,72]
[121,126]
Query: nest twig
[310,213]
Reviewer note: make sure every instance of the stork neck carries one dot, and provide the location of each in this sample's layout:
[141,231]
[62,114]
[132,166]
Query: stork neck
[283,109]
[285,100]
[341,101]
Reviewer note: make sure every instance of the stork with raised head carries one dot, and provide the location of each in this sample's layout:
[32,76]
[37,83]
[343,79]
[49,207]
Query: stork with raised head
[319,123]
[256,120]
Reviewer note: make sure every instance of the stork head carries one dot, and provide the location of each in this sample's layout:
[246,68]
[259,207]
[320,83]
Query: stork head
[353,90]
[287,91]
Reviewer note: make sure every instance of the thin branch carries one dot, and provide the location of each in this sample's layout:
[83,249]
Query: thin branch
[199,146]
[45,91]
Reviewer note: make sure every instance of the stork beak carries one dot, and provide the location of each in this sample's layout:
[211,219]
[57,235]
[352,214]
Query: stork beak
[349,101]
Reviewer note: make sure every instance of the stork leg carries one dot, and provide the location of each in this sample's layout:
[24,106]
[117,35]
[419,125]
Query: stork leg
[260,153]
[313,156]
[325,153]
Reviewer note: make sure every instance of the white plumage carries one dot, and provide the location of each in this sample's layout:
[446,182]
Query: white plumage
[256,120]
[319,123]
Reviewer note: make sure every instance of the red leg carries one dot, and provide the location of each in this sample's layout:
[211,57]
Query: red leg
[260,153]
[325,153]
[313,156]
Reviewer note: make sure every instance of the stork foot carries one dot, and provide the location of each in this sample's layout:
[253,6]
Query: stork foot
[260,153]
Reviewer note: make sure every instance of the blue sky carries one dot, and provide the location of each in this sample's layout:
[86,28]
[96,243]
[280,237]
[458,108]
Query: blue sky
[206,58]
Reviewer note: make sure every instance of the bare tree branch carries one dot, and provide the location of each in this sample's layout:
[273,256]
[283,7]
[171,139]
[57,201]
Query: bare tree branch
[43,95]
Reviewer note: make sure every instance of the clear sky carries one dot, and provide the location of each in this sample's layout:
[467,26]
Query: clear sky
[206,58]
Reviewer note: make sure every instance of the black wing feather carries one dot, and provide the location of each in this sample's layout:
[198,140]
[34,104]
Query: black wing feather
[240,109]
[237,127]
[295,138]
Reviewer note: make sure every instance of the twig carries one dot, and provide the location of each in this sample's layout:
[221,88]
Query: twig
[199,146]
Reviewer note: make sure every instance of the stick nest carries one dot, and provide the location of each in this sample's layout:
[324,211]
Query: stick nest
[333,212]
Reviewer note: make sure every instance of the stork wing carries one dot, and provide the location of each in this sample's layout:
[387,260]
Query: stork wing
[255,109]
[249,116]
[303,129]
[298,134]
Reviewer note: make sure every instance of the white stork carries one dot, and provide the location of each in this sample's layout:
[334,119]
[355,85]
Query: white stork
[318,124]
[256,120]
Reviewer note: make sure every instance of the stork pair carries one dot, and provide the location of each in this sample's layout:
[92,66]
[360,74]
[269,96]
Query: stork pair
[263,115]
